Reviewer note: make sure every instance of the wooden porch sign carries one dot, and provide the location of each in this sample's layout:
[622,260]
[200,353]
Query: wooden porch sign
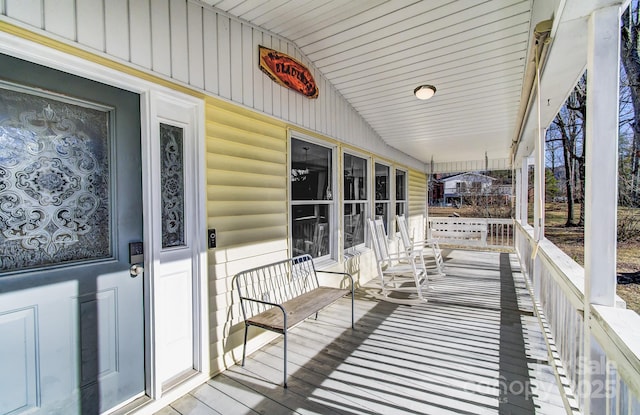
[288,72]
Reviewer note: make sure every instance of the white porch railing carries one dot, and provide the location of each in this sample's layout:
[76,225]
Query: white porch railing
[482,232]
[614,361]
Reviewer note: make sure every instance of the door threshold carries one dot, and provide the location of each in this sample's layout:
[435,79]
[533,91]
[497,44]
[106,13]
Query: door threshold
[178,380]
[129,405]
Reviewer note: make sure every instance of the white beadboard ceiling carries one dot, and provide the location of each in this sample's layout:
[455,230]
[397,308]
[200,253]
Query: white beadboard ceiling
[375,52]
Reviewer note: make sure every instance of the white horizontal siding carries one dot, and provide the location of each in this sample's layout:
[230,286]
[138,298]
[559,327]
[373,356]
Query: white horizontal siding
[203,47]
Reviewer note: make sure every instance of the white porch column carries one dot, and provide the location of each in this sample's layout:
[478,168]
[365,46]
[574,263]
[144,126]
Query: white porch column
[518,210]
[601,143]
[538,205]
[601,185]
[524,190]
[538,186]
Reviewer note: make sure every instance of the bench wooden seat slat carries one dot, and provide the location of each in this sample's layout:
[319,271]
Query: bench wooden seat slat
[297,309]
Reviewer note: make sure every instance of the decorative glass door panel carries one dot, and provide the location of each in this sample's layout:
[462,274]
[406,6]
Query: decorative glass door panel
[54,181]
[172,182]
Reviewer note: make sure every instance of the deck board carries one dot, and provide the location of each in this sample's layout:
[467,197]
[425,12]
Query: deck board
[474,348]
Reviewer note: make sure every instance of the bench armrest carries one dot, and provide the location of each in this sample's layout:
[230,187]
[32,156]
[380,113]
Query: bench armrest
[244,314]
[260,301]
[338,273]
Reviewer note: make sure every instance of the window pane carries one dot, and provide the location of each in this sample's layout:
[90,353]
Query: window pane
[382,194]
[401,185]
[401,192]
[354,224]
[382,182]
[382,212]
[310,230]
[355,178]
[310,171]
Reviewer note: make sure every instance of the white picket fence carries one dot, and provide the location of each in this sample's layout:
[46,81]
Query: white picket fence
[478,232]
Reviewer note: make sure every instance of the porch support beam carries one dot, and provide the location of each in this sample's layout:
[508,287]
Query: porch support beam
[538,205]
[518,200]
[601,143]
[524,190]
[601,186]
[538,185]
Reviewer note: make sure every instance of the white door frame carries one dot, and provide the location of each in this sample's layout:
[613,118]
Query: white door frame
[187,111]
[40,54]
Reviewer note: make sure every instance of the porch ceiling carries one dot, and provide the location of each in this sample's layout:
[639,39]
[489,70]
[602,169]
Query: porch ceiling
[376,52]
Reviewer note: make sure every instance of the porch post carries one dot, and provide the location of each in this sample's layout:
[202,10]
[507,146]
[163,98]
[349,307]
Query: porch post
[601,186]
[538,185]
[524,190]
[601,143]
[538,205]
[518,210]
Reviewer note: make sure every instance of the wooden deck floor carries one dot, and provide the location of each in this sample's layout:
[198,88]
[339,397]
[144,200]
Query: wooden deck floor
[474,348]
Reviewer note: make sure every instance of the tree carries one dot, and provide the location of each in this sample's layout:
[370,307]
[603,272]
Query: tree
[577,102]
[567,128]
[628,185]
[550,184]
[630,57]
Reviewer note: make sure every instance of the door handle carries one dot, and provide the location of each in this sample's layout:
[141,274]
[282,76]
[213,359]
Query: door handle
[136,270]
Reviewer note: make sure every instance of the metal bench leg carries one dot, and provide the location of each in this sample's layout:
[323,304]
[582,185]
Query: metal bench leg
[285,358]
[352,312]
[244,347]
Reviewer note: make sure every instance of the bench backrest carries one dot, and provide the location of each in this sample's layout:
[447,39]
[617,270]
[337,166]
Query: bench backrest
[275,283]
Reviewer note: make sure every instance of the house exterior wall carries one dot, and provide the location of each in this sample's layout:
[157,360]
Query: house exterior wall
[418,203]
[466,181]
[247,203]
[248,118]
[197,46]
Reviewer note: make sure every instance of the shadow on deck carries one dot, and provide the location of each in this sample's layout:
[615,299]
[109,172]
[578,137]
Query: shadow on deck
[474,348]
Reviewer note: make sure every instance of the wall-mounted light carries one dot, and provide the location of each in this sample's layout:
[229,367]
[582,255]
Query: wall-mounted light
[424,91]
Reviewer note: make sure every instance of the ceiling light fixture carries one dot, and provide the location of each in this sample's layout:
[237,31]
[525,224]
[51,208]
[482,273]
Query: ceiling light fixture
[424,91]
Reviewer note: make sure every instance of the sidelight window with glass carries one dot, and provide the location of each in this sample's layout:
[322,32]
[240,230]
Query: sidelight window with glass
[355,199]
[311,198]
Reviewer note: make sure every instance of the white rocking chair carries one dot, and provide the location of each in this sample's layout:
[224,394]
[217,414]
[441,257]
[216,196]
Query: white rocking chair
[397,272]
[421,248]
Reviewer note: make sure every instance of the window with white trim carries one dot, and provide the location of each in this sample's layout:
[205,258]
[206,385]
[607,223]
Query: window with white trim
[401,192]
[312,203]
[382,193]
[356,204]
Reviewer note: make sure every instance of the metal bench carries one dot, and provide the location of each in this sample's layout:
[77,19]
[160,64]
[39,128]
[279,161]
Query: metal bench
[280,295]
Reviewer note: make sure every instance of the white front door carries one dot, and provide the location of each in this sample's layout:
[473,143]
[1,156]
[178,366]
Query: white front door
[71,313]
